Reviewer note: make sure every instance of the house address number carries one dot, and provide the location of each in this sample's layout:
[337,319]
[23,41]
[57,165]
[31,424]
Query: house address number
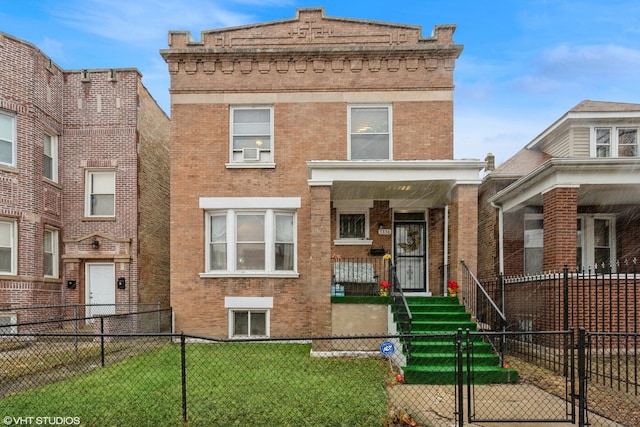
[384,231]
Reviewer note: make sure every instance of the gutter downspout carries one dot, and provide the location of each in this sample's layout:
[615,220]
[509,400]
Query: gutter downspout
[445,276]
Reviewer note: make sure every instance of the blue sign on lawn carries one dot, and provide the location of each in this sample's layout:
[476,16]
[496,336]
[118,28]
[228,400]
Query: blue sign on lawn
[387,348]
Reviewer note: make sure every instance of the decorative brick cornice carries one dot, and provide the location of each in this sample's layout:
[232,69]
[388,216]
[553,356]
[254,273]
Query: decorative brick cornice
[192,65]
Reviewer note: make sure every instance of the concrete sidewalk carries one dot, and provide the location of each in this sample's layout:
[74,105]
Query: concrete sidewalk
[433,405]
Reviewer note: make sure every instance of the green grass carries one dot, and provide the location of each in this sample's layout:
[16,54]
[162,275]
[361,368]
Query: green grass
[247,384]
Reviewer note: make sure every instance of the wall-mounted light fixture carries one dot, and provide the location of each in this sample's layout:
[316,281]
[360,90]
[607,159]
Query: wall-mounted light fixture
[95,244]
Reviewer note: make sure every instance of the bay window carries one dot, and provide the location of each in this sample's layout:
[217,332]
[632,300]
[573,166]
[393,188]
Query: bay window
[7,139]
[8,246]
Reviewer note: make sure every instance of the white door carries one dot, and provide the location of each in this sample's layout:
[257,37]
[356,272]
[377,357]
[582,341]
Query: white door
[101,288]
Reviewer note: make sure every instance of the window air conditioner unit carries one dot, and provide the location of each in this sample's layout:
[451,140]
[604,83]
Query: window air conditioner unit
[8,323]
[250,154]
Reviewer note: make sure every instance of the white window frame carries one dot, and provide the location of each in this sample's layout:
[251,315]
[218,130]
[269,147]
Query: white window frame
[54,233]
[352,240]
[613,141]
[12,140]
[13,245]
[89,191]
[587,239]
[533,241]
[351,131]
[53,140]
[271,207]
[248,304]
[266,157]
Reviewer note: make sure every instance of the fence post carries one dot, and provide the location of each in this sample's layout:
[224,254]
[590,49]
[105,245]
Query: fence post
[565,315]
[582,377]
[183,363]
[460,398]
[102,340]
[75,329]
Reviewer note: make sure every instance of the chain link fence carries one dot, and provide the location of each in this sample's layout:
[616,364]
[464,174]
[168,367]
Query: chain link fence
[98,379]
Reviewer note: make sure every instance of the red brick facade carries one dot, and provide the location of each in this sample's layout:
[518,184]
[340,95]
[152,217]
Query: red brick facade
[309,70]
[103,120]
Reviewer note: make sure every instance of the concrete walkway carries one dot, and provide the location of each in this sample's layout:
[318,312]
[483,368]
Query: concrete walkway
[433,405]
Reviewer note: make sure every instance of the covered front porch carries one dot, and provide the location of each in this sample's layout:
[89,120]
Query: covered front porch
[420,216]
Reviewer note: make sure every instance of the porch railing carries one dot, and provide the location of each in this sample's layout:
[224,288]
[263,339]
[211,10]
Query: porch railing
[358,276]
[400,309]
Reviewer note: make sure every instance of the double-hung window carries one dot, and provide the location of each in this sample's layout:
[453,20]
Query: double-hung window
[50,157]
[50,263]
[615,141]
[533,244]
[245,240]
[100,194]
[251,136]
[369,132]
[8,246]
[7,139]
[596,239]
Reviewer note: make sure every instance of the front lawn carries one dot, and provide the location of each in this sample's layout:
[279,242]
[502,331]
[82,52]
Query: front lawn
[227,384]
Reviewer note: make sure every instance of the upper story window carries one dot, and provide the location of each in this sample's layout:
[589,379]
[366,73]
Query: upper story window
[100,194]
[251,136]
[8,246]
[370,132]
[7,139]
[615,142]
[50,157]
[50,264]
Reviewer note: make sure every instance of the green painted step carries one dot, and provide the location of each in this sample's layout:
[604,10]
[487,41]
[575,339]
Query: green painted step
[447,375]
[433,353]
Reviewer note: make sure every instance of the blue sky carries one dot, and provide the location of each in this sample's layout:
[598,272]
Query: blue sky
[524,64]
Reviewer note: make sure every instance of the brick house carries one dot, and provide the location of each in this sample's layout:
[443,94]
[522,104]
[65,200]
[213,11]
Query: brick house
[301,140]
[569,197]
[84,184]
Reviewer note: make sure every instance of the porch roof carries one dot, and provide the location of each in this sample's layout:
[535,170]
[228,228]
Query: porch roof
[599,181]
[428,180]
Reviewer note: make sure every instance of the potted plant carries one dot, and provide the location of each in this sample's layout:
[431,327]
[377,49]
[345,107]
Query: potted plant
[384,288]
[452,288]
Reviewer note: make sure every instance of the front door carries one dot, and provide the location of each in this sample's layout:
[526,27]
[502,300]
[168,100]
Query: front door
[101,288]
[410,254]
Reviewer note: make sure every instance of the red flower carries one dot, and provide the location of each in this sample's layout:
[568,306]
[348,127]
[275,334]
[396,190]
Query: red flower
[451,284]
[384,284]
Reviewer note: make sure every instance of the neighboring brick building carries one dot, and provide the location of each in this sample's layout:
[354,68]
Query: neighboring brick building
[303,138]
[84,158]
[570,197]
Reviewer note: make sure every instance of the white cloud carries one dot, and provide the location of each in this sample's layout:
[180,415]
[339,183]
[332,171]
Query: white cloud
[573,67]
[141,21]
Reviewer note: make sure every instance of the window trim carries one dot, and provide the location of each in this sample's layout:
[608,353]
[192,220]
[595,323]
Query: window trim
[231,242]
[366,240]
[389,108]
[54,254]
[613,141]
[14,137]
[54,156]
[89,191]
[14,246]
[587,241]
[270,163]
[256,304]
[532,217]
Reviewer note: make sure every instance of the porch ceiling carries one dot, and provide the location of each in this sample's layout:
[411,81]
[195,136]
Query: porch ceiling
[429,181]
[433,193]
[600,182]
